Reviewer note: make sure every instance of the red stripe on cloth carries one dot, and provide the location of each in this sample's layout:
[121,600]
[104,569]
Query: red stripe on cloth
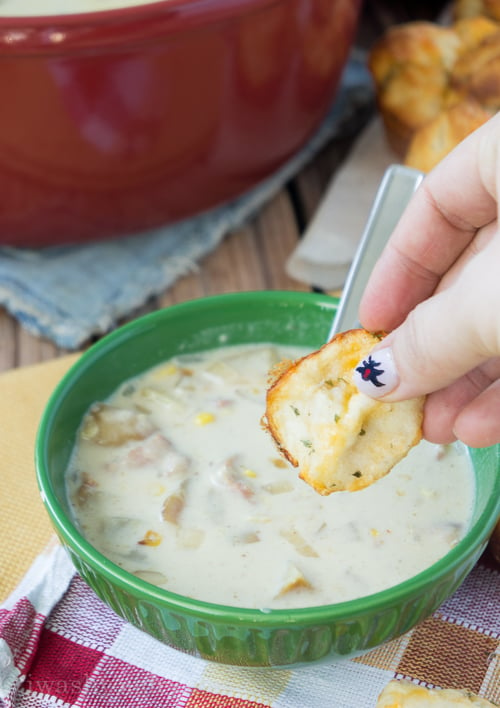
[20,627]
[61,667]
[117,684]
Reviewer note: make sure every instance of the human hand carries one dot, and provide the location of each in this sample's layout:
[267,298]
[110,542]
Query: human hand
[436,290]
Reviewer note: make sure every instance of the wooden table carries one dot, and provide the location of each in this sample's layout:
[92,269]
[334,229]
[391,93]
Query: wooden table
[254,256]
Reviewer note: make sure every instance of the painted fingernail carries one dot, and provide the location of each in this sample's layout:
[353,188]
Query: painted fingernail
[376,375]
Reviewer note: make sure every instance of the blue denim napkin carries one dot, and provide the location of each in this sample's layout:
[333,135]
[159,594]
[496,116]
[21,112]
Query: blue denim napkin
[71,293]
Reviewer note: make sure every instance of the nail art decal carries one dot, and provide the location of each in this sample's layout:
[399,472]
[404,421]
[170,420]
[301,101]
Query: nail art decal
[369,371]
[376,375]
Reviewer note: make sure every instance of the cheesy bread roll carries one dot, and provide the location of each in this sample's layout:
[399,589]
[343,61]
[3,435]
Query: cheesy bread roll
[403,694]
[339,438]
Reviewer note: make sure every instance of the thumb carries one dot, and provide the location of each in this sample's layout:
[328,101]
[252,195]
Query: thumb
[443,338]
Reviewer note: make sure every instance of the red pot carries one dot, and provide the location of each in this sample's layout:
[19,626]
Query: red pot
[117,121]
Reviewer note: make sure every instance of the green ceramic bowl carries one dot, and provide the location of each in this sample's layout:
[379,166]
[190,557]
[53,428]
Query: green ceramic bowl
[226,634]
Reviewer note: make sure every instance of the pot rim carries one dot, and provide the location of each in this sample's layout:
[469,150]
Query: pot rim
[68,33]
[151,7]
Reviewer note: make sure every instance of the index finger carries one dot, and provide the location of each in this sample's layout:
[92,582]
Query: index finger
[454,200]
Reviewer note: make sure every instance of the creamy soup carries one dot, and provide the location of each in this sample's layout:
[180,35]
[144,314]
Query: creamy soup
[37,8]
[174,479]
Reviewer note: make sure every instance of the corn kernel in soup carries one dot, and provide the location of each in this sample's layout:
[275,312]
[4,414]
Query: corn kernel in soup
[174,479]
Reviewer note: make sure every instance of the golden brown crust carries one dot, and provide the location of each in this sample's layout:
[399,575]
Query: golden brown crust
[410,64]
[434,140]
[339,438]
[402,107]
[420,43]
[404,694]
[472,8]
[422,71]
[473,30]
[475,58]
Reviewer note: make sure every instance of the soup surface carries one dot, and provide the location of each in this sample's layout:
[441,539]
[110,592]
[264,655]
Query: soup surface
[37,8]
[174,479]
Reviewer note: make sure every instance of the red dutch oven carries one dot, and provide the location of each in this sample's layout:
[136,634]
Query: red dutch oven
[118,121]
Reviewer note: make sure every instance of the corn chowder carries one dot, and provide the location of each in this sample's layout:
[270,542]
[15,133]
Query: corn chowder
[174,479]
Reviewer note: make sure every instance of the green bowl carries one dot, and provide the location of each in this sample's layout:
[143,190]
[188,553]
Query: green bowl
[245,637]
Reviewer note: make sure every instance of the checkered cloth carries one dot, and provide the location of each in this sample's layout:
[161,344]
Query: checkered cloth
[61,646]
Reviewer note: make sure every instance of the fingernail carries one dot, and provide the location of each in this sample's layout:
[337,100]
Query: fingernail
[376,375]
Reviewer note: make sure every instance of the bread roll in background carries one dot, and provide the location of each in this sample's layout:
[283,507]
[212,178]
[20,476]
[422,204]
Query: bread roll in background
[435,85]
[410,65]
[436,138]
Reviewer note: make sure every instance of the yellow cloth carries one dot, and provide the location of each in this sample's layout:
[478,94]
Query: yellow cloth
[25,529]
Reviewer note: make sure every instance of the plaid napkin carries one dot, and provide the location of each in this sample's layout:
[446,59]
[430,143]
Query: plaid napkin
[61,646]
[69,294]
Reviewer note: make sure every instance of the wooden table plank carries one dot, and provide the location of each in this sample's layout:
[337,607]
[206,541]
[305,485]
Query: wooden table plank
[32,350]
[243,269]
[277,235]
[8,328]
[252,257]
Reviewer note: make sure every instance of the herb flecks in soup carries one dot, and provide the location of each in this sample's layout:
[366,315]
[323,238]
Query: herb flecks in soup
[174,479]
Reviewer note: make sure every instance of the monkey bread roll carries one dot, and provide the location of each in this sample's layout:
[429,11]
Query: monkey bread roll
[434,84]
[410,65]
[434,140]
[339,438]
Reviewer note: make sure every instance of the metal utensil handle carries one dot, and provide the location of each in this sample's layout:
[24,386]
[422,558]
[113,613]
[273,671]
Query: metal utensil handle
[397,186]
